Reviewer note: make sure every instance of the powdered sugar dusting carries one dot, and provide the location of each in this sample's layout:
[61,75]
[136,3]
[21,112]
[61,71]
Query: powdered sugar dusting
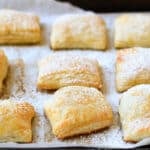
[21,81]
[133,67]
[66,62]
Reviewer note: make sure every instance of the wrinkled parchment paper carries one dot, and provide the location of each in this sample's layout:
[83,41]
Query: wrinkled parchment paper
[21,81]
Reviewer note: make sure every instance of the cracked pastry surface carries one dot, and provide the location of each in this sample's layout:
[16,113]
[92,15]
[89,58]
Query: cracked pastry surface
[3,68]
[132,30]
[18,27]
[132,67]
[85,31]
[59,70]
[134,111]
[78,110]
[15,123]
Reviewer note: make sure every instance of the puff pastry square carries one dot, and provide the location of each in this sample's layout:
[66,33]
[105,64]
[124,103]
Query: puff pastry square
[3,68]
[78,110]
[85,31]
[132,30]
[15,121]
[18,27]
[60,69]
[132,67]
[134,111]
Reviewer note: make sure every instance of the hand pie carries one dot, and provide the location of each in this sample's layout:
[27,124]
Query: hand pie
[3,68]
[132,67]
[78,110]
[85,31]
[15,121]
[134,111]
[18,27]
[59,70]
[132,30]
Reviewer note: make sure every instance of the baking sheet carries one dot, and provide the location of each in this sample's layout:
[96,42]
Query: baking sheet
[21,81]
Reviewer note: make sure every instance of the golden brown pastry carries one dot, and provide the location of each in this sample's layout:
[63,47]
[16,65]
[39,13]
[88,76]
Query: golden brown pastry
[60,69]
[134,111]
[15,121]
[132,30]
[132,67]
[78,110]
[18,27]
[3,68]
[85,31]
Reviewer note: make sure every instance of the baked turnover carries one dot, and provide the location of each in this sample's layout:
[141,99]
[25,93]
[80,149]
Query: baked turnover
[3,68]
[15,121]
[132,67]
[134,111]
[59,70]
[18,27]
[78,110]
[132,30]
[85,31]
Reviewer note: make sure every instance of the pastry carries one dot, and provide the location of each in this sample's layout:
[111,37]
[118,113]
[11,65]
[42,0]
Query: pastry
[85,31]
[3,68]
[134,111]
[15,118]
[132,67]
[18,27]
[60,69]
[132,30]
[78,110]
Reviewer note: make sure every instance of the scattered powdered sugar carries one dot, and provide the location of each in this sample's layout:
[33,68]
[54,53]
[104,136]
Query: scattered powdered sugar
[20,84]
[66,62]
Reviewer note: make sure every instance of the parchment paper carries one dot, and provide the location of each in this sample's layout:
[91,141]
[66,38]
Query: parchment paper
[21,81]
